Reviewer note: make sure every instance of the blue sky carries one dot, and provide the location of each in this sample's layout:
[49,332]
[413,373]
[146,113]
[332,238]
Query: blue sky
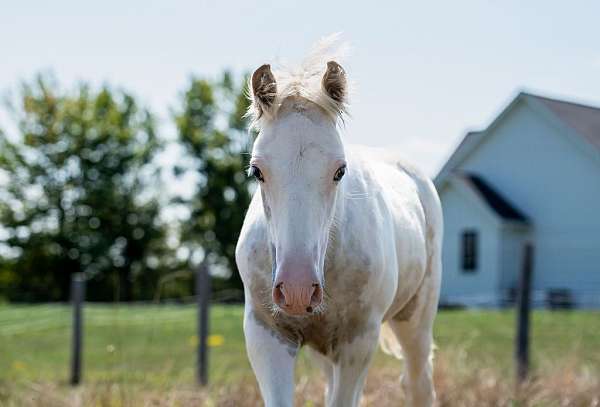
[425,71]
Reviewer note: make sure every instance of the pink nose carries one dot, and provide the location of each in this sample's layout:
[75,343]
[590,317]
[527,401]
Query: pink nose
[296,298]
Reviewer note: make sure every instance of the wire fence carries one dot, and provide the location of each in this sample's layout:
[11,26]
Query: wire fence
[156,342]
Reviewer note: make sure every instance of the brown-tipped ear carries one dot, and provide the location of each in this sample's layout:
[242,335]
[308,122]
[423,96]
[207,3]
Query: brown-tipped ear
[334,82]
[264,88]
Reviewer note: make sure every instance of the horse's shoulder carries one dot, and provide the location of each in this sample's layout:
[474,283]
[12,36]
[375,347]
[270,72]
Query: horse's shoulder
[410,195]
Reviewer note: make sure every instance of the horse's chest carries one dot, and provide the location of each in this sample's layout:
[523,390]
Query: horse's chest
[325,333]
[347,308]
[317,332]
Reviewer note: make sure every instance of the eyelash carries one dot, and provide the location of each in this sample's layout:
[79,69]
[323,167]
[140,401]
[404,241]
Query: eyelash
[255,172]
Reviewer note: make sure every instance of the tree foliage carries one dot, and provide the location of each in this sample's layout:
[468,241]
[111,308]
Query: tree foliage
[77,195]
[80,191]
[212,128]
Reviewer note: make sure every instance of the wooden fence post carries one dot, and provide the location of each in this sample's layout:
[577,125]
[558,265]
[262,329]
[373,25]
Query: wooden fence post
[523,307]
[202,298]
[77,299]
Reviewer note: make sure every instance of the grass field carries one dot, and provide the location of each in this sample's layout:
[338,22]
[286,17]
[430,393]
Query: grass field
[144,356]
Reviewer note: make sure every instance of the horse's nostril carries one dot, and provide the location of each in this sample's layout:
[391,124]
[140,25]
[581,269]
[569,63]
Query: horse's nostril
[316,297]
[279,295]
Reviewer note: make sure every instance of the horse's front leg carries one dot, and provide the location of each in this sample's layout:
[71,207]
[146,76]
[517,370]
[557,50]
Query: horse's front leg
[272,358]
[350,368]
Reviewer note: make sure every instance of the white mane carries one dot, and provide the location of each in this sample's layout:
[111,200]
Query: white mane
[305,81]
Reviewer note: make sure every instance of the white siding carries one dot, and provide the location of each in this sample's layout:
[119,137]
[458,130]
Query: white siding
[545,173]
[462,211]
[512,247]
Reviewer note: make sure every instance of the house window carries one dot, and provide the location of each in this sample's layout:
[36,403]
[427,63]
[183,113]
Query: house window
[469,251]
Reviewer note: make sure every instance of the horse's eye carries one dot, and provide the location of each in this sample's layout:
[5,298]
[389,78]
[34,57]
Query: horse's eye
[339,173]
[255,172]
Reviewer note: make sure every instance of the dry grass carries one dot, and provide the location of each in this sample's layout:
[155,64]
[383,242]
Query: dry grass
[456,384]
[144,356]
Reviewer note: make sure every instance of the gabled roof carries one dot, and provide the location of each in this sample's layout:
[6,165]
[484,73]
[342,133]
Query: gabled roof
[501,206]
[584,119]
[580,121]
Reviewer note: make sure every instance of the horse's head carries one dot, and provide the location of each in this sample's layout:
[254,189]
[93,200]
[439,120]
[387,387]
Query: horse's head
[299,161]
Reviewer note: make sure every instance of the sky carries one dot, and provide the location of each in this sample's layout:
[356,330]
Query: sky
[424,72]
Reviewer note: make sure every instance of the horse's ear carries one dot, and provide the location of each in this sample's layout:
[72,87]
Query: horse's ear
[334,82]
[264,89]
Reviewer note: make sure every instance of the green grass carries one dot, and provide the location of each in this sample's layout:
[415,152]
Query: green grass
[155,345]
[150,344]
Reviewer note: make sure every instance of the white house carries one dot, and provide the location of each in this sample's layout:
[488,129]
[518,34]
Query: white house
[533,175]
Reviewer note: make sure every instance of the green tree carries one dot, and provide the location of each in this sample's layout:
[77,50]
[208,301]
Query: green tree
[213,130]
[76,195]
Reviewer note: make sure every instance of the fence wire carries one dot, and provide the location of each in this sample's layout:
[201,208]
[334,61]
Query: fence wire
[155,343]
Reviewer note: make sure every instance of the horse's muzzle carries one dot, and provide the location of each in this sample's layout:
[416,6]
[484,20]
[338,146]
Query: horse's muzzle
[297,299]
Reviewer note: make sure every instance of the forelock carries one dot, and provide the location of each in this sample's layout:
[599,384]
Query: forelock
[304,81]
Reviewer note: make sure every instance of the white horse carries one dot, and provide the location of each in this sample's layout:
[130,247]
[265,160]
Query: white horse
[340,247]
